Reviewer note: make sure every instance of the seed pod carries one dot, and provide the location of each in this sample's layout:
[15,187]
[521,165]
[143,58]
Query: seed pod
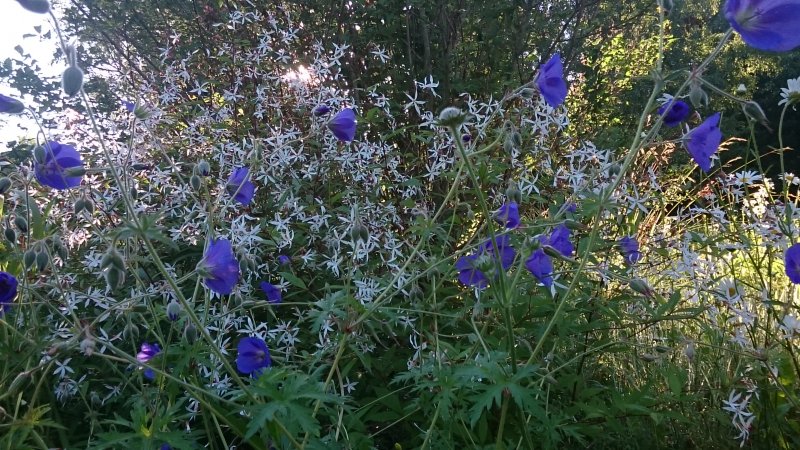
[648,357]
[451,117]
[18,382]
[641,287]
[87,346]
[516,139]
[140,166]
[662,349]
[5,185]
[513,193]
[21,224]
[527,93]
[574,225]
[42,260]
[72,80]
[508,145]
[112,259]
[36,6]
[80,205]
[359,232]
[134,193]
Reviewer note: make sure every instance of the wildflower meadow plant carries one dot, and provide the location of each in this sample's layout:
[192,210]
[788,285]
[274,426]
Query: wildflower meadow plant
[412,259]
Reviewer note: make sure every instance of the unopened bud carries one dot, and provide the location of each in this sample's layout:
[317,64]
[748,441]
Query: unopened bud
[115,278]
[194,182]
[508,145]
[451,117]
[697,95]
[516,139]
[72,80]
[18,382]
[574,225]
[42,260]
[21,224]
[689,350]
[648,357]
[513,193]
[203,168]
[359,232]
[112,259]
[527,93]
[5,185]
[140,166]
[75,172]
[87,346]
[60,248]
[190,333]
[39,154]
[130,332]
[10,235]
[641,287]
[614,169]
[29,258]
[754,112]
[141,113]
[36,6]
[173,310]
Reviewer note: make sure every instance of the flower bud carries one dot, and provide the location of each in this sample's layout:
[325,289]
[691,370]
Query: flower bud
[173,310]
[140,166]
[320,110]
[508,145]
[29,258]
[641,287]
[39,154]
[141,113]
[18,382]
[284,260]
[574,225]
[87,346]
[36,6]
[754,112]
[203,168]
[190,333]
[195,182]
[130,332]
[112,259]
[21,224]
[60,248]
[72,80]
[516,139]
[697,95]
[689,350]
[648,357]
[75,172]
[115,278]
[527,92]
[741,89]
[662,349]
[614,169]
[10,235]
[5,185]
[451,117]
[42,260]
[359,232]
[513,193]
[466,138]
[80,205]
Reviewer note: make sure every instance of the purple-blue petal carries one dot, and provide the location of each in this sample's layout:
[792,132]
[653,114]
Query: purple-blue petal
[343,125]
[551,82]
[792,263]
[252,355]
[58,158]
[272,292]
[221,267]
[8,290]
[10,105]
[540,266]
[674,112]
[703,141]
[629,247]
[770,25]
[240,187]
[559,240]
[508,215]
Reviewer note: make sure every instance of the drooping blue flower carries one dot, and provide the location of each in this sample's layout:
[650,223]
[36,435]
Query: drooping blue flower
[629,247]
[8,290]
[571,207]
[559,240]
[272,292]
[551,82]
[703,141]
[54,170]
[240,187]
[219,267]
[674,112]
[284,260]
[772,25]
[792,263]
[466,138]
[129,106]
[343,125]
[10,105]
[165,447]
[469,266]
[146,353]
[252,356]
[540,266]
[508,215]
[321,110]
[37,6]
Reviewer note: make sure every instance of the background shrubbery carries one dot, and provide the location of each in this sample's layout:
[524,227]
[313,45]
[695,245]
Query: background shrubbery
[117,339]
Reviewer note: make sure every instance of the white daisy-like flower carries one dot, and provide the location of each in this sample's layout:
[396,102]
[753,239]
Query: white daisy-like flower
[791,93]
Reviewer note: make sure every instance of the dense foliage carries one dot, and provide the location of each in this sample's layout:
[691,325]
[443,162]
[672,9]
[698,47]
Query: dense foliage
[380,224]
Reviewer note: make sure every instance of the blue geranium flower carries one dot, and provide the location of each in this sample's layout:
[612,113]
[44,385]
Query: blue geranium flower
[703,141]
[10,105]
[284,260]
[240,187]
[271,291]
[219,267]
[674,112]
[792,263]
[146,353]
[252,356]
[469,266]
[8,290]
[343,125]
[551,82]
[629,247]
[321,110]
[508,215]
[540,266]
[766,24]
[59,161]
[559,240]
